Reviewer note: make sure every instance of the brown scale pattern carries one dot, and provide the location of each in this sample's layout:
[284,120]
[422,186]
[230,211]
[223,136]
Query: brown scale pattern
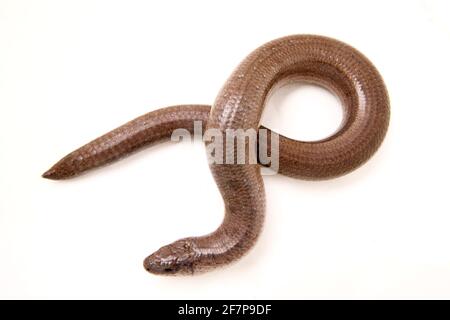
[239,105]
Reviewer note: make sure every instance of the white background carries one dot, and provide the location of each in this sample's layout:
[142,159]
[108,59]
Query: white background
[72,70]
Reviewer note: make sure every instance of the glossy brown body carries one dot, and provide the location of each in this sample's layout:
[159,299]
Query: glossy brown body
[239,105]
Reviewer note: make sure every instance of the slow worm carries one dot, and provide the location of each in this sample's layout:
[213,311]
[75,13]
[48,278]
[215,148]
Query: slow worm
[239,105]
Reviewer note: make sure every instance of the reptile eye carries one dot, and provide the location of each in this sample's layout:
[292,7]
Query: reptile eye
[168,269]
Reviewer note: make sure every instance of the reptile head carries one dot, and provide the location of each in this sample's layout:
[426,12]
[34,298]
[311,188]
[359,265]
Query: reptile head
[174,259]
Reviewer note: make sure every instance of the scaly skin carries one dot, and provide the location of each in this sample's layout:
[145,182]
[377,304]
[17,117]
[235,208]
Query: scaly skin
[239,105]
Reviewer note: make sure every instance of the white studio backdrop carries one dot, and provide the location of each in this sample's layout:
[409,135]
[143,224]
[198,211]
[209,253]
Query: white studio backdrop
[72,70]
